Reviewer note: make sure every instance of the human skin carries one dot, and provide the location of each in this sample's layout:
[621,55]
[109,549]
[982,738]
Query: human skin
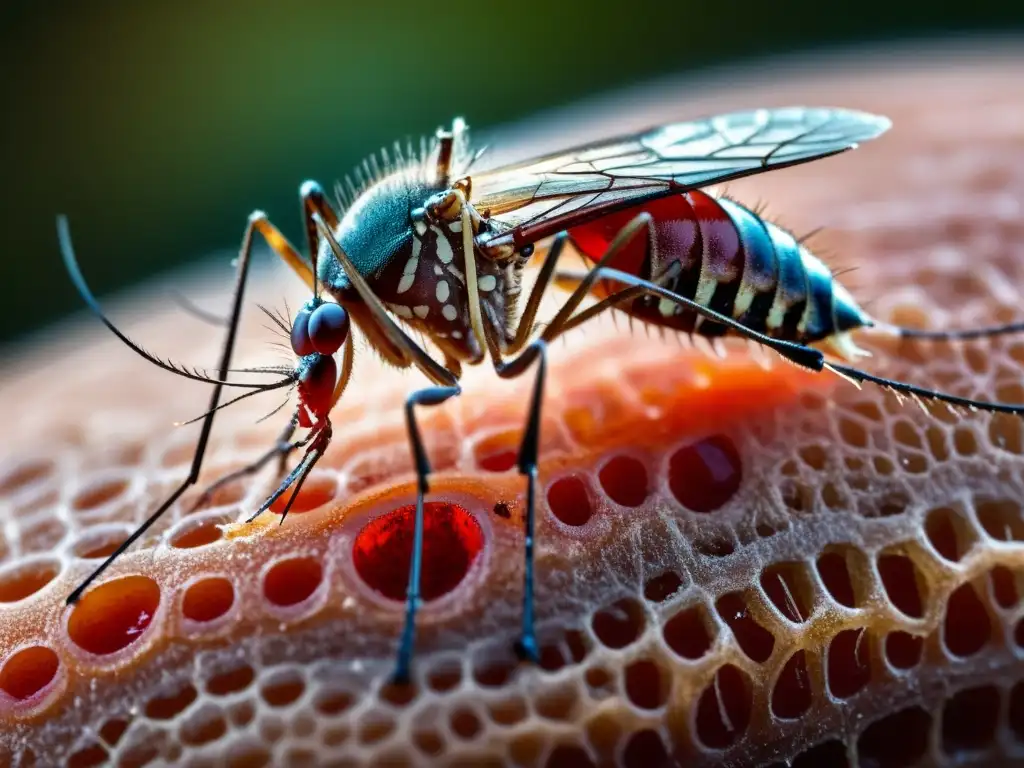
[930,217]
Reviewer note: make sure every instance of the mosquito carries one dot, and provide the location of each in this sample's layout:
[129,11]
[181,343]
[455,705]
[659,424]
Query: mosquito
[420,242]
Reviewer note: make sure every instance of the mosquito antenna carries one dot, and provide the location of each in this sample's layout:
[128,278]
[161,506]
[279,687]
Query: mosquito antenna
[71,263]
[286,317]
[261,419]
[286,370]
[911,390]
[275,319]
[232,401]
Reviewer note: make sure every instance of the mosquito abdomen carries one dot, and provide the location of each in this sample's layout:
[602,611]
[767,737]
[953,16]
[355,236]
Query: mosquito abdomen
[727,257]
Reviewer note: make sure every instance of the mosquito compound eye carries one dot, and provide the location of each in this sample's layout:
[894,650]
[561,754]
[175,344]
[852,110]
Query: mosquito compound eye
[328,328]
[301,343]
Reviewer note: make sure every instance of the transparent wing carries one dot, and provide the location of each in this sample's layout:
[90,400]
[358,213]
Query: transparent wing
[534,199]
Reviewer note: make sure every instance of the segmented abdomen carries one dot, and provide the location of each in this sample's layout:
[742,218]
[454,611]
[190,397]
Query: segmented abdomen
[726,257]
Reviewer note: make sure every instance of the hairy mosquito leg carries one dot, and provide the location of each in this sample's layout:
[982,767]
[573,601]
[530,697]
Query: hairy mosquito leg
[241,273]
[282,449]
[426,397]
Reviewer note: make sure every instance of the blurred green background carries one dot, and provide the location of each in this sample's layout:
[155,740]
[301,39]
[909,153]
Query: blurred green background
[158,126]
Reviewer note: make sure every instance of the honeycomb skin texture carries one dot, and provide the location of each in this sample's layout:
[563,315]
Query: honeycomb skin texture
[736,565]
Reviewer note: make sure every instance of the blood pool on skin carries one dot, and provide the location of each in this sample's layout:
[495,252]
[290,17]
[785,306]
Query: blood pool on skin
[114,615]
[382,552]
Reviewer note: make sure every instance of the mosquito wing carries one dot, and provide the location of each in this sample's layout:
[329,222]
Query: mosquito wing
[532,200]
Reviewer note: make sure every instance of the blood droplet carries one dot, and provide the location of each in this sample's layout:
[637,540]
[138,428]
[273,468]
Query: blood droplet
[452,539]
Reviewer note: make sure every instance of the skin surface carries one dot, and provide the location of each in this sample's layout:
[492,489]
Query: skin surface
[931,217]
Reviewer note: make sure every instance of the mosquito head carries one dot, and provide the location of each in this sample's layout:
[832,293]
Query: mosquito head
[316,376]
[320,327]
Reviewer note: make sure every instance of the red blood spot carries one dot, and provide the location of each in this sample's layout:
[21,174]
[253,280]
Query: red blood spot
[28,671]
[497,453]
[676,231]
[316,492]
[114,615]
[569,501]
[208,599]
[290,581]
[452,539]
[704,475]
[624,479]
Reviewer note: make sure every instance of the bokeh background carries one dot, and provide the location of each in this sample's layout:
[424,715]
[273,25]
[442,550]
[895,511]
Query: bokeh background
[158,126]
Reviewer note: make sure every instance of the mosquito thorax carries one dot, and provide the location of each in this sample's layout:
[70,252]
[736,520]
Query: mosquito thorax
[406,239]
[375,230]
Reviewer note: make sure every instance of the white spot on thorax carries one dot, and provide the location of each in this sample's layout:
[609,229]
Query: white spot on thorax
[401,310]
[487,283]
[441,291]
[444,248]
[406,282]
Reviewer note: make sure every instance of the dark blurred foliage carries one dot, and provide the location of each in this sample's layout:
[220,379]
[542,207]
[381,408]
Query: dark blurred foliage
[158,126]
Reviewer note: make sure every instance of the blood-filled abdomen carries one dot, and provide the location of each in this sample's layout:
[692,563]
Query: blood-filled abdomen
[723,256]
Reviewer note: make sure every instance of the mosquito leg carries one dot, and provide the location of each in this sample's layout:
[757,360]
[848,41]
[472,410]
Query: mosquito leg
[318,440]
[529,449]
[242,272]
[540,286]
[426,397]
[282,449]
